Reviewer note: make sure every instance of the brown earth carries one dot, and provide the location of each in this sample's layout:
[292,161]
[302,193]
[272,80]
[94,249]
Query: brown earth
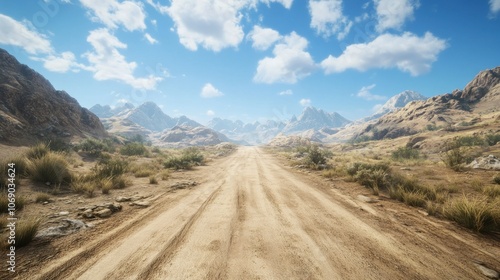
[250,217]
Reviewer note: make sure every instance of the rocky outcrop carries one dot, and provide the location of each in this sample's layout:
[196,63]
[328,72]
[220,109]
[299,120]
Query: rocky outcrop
[315,119]
[181,136]
[447,111]
[32,110]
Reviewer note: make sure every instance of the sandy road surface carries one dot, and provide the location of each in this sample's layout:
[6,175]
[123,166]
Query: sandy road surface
[252,218]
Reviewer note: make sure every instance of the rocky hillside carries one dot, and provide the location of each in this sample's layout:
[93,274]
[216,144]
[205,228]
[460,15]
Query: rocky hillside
[315,119]
[396,102]
[32,110]
[449,111]
[181,136]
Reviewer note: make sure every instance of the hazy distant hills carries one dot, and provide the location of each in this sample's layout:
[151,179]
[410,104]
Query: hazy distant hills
[32,110]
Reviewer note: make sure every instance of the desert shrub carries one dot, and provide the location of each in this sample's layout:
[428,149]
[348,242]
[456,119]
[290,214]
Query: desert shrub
[133,149]
[144,172]
[26,230]
[492,191]
[42,197]
[473,213]
[492,139]
[432,208]
[58,145]
[37,151]
[188,158]
[355,167]
[405,153]
[469,141]
[51,167]
[105,184]
[416,199]
[454,155]
[4,202]
[95,147]
[164,175]
[496,179]
[153,180]
[110,168]
[120,182]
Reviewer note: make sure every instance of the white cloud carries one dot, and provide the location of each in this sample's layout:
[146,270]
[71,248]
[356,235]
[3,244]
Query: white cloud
[327,18]
[62,64]
[212,24]
[495,6]
[210,113]
[407,52]
[305,102]
[365,93]
[290,62]
[150,39]
[112,13]
[286,3]
[19,34]
[108,63]
[209,91]
[393,14]
[263,38]
[286,92]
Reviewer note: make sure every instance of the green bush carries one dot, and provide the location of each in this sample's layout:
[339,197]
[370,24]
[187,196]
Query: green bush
[454,155]
[51,168]
[492,139]
[133,149]
[405,153]
[95,147]
[110,168]
[188,158]
[470,141]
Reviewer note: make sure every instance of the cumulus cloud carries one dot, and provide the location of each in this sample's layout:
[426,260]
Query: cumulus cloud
[290,62]
[407,52]
[108,63]
[327,18]
[263,38]
[305,102]
[150,39]
[495,6]
[286,92]
[21,34]
[212,24]
[210,113]
[113,13]
[15,33]
[365,93]
[393,14]
[286,3]
[209,91]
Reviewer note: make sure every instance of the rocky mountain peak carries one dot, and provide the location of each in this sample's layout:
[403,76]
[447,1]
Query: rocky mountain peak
[31,109]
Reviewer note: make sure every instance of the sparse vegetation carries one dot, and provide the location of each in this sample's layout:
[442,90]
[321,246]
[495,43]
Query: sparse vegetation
[26,230]
[110,168]
[50,168]
[405,153]
[42,197]
[95,147]
[189,157]
[133,149]
[37,151]
[164,175]
[4,202]
[454,155]
[153,180]
[496,179]
[473,213]
[492,191]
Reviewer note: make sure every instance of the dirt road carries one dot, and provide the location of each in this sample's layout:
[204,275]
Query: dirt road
[252,218]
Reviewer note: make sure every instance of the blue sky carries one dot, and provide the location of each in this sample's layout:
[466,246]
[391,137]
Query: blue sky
[252,59]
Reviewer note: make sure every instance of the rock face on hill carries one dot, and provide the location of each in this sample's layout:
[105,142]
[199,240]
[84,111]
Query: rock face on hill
[31,109]
[479,97]
[315,119]
[180,136]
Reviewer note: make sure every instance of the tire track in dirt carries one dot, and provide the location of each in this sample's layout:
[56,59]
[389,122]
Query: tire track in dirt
[79,262]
